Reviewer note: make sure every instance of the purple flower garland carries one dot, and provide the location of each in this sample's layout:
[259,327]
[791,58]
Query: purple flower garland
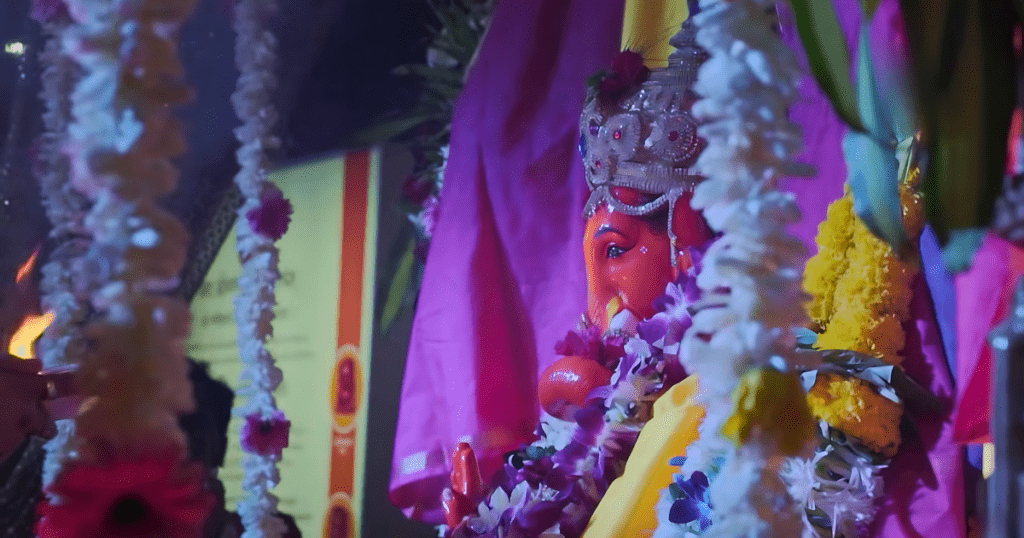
[544,491]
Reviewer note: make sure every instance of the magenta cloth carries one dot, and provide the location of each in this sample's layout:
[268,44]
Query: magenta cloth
[983,295]
[504,279]
[823,133]
[924,485]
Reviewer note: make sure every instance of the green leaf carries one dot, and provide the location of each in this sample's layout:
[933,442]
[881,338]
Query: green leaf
[460,31]
[805,338]
[930,25]
[869,7]
[435,74]
[874,114]
[395,298]
[829,60]
[967,118]
[462,53]
[872,176]
[444,91]
[871,159]
[958,253]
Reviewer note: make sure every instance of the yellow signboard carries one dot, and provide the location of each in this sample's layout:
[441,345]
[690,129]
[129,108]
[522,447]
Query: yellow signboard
[321,340]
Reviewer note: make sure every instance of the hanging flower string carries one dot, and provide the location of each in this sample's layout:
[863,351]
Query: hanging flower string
[263,219]
[133,377]
[743,350]
[65,208]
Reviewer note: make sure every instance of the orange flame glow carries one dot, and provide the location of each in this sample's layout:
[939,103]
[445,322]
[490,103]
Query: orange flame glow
[30,329]
[32,326]
[26,268]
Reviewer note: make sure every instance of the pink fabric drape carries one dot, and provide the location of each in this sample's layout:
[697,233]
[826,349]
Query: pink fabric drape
[924,484]
[504,279]
[984,296]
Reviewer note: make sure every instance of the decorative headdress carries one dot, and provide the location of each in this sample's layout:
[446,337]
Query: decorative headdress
[637,132]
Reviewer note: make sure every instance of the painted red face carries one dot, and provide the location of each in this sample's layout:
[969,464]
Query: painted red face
[628,259]
[628,266]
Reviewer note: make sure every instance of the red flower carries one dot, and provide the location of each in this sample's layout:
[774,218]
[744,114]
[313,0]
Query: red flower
[147,497]
[265,436]
[272,216]
[628,71]
[630,67]
[416,189]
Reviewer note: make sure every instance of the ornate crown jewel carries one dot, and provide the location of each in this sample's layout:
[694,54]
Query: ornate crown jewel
[646,141]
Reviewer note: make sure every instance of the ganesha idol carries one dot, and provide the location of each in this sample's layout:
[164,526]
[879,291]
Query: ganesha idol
[619,387]
[638,141]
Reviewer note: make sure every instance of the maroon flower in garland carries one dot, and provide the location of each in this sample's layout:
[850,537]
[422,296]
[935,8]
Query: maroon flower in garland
[266,437]
[271,218]
[152,496]
[590,344]
[416,189]
[627,73]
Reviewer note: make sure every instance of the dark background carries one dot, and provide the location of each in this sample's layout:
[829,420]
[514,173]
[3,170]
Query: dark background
[335,63]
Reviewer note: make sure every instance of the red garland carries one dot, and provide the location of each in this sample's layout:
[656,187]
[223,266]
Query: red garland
[153,496]
[628,72]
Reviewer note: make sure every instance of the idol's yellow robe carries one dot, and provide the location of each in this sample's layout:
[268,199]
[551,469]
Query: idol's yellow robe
[628,508]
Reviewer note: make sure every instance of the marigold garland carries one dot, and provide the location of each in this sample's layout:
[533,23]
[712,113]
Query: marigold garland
[861,290]
[852,406]
[119,147]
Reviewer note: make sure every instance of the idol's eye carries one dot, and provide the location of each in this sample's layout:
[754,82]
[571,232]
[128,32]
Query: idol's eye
[614,251]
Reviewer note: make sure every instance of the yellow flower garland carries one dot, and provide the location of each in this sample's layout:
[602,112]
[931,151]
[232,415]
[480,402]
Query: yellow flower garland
[861,294]
[852,406]
[860,288]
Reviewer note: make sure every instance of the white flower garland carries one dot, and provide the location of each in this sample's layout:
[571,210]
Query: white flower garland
[754,270]
[255,57]
[838,484]
[65,209]
[119,146]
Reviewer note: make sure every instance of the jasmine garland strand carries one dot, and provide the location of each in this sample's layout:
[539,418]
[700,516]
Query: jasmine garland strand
[65,209]
[754,270]
[255,57]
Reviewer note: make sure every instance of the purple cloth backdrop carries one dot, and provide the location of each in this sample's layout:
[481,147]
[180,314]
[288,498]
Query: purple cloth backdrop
[505,279]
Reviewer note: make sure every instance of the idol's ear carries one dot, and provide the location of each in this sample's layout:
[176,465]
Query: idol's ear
[687,229]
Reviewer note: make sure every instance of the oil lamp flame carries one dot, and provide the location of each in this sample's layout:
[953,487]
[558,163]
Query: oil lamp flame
[30,329]
[32,326]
